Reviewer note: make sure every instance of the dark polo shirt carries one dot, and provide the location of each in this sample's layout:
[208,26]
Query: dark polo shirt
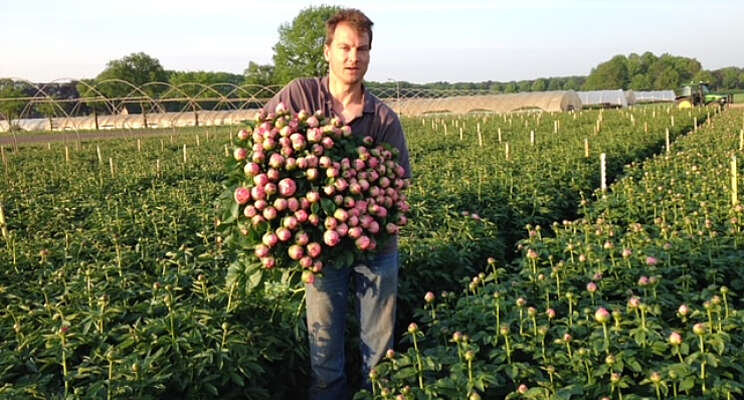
[377,119]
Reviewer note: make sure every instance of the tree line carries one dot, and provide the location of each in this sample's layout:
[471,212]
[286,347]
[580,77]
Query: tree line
[298,53]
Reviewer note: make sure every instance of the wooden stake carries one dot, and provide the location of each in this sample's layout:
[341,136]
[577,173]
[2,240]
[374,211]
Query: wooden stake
[157,167]
[668,143]
[645,127]
[480,137]
[741,139]
[734,188]
[586,147]
[197,140]
[162,145]
[67,154]
[555,126]
[184,153]
[603,170]
[49,146]
[460,133]
[111,166]
[694,123]
[3,223]
[499,135]
[445,130]
[2,152]
[139,146]
[98,151]
[227,151]
[672,121]
[506,149]
[532,138]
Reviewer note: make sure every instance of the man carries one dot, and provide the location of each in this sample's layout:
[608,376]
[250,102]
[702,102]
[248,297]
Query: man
[342,94]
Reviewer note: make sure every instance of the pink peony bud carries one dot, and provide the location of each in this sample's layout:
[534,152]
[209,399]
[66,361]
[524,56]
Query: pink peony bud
[331,238]
[240,154]
[242,195]
[602,315]
[314,249]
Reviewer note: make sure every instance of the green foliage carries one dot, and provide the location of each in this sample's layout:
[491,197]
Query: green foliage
[299,51]
[256,74]
[612,74]
[12,108]
[539,85]
[137,69]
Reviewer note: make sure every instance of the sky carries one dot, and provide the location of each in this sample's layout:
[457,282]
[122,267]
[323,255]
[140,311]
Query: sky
[414,41]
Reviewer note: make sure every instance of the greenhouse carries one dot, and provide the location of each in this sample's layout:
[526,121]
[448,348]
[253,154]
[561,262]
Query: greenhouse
[654,96]
[603,98]
[552,101]
[136,121]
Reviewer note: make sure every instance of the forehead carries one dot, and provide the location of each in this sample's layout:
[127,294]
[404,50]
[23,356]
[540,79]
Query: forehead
[348,34]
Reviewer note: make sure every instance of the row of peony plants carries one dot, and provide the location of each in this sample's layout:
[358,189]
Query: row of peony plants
[634,300]
[114,280]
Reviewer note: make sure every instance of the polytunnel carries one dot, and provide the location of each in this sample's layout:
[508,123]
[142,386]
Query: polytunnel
[603,98]
[551,101]
[654,96]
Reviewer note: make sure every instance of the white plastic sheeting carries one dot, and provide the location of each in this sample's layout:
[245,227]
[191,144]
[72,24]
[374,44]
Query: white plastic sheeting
[552,101]
[653,96]
[606,98]
[136,121]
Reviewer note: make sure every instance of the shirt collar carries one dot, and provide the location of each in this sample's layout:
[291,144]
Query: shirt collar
[369,100]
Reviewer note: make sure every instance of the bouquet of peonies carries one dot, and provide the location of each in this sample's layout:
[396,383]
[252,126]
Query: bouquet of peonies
[307,194]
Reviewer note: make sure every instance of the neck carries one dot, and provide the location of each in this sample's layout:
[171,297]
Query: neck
[343,93]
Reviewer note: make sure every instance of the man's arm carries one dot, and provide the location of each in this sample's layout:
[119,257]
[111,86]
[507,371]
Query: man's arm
[291,96]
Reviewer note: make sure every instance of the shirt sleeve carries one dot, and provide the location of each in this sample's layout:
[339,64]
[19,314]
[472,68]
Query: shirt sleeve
[292,95]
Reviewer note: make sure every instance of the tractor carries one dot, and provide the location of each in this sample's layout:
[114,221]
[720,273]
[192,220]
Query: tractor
[697,93]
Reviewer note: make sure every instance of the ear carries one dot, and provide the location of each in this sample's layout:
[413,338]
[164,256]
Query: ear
[326,52]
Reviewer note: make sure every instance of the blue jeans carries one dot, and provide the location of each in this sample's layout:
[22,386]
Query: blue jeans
[376,289]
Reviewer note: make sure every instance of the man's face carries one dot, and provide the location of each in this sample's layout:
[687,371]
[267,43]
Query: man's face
[348,54]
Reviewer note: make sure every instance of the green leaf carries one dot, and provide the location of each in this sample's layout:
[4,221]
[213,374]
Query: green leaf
[254,280]
[328,206]
[687,384]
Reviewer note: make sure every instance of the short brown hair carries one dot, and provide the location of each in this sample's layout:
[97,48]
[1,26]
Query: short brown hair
[351,16]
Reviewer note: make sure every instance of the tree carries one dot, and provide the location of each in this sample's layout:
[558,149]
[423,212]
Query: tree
[705,76]
[640,82]
[571,84]
[510,87]
[741,80]
[539,85]
[612,74]
[555,84]
[299,51]
[10,109]
[137,69]
[668,79]
[524,86]
[729,77]
[257,74]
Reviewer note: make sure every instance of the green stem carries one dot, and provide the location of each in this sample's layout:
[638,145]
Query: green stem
[420,367]
[606,339]
[521,322]
[470,373]
[702,374]
[64,366]
[508,349]
[658,393]
[679,355]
